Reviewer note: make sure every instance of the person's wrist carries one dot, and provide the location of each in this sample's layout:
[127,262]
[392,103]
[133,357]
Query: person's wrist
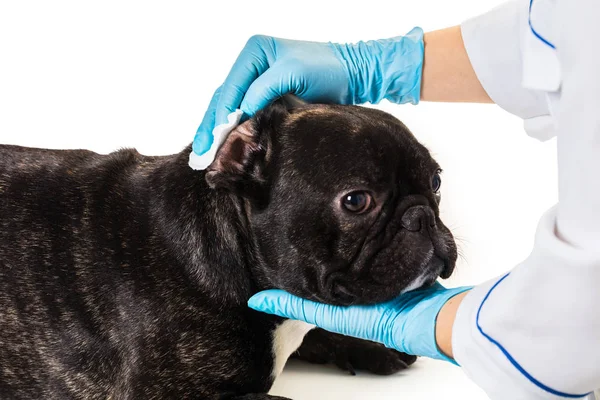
[445,323]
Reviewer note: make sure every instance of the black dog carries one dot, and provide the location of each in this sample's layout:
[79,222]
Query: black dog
[127,277]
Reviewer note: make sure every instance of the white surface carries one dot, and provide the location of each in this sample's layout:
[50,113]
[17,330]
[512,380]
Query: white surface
[140,74]
[427,379]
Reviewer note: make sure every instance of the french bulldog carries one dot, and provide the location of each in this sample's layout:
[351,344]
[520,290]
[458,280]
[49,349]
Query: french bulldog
[124,276]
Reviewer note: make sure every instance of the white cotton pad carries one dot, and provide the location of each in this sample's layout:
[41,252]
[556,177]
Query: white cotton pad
[220,132]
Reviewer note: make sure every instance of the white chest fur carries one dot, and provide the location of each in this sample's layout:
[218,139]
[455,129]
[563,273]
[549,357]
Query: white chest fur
[287,337]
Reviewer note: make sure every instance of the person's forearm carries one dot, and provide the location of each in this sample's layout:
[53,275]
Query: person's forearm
[448,75]
[445,323]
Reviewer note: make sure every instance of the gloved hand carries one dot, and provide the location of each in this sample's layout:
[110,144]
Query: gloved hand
[268,68]
[406,324]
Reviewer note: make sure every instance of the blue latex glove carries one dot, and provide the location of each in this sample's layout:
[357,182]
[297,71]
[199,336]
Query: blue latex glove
[406,324]
[268,68]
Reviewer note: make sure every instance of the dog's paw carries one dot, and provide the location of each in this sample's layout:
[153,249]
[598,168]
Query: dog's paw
[352,354]
[372,357]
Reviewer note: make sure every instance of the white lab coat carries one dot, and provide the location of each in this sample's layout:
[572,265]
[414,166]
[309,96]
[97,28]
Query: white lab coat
[535,333]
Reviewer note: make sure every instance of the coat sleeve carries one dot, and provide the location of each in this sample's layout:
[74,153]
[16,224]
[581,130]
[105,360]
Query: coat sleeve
[534,333]
[493,44]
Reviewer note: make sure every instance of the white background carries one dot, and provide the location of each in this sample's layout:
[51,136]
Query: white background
[112,74]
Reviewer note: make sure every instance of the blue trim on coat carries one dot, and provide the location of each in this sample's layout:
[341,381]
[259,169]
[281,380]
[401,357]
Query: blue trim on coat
[511,358]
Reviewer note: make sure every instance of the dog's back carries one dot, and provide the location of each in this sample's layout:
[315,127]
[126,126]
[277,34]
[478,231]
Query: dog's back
[94,299]
[55,285]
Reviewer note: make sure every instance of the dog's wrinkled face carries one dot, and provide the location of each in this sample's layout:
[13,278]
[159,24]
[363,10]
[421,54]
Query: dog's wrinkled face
[342,201]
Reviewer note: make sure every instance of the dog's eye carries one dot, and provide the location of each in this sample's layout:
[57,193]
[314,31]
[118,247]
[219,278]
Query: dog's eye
[357,202]
[436,181]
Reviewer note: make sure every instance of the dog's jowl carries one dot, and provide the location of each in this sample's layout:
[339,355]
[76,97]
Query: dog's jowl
[126,277]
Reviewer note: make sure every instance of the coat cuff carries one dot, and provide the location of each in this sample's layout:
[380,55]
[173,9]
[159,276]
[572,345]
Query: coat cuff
[482,361]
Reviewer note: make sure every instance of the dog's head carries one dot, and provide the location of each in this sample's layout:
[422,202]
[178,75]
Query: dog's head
[342,202]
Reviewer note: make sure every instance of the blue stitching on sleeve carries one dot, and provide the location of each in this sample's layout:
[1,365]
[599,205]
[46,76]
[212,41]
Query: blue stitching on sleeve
[512,360]
[537,35]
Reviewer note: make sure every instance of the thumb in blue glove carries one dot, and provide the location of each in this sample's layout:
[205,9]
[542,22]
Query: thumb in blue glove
[406,324]
[268,68]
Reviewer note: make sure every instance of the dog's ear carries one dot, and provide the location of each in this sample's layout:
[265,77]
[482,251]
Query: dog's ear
[242,161]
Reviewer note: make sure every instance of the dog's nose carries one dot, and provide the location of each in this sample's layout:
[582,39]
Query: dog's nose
[418,218]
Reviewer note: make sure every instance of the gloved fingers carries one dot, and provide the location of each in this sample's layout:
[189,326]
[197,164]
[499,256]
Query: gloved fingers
[254,59]
[284,304]
[203,139]
[274,83]
[357,321]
